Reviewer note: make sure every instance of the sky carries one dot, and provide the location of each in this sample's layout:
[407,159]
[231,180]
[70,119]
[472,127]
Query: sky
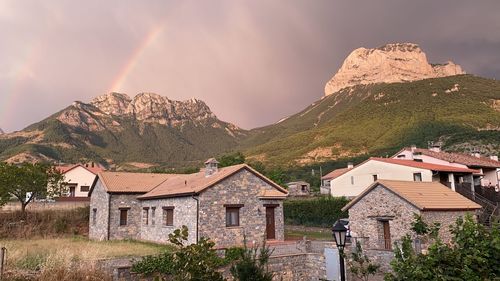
[253,62]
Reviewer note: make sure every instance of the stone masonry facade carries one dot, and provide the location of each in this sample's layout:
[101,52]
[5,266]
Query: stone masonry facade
[99,212]
[242,188]
[380,204]
[445,219]
[156,229]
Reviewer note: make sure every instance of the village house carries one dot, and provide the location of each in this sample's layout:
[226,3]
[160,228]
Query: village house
[225,205]
[383,213]
[351,181]
[299,188]
[489,167]
[79,178]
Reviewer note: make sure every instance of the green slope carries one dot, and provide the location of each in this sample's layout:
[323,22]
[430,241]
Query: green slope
[380,118]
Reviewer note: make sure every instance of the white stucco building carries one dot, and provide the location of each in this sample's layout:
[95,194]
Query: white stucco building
[79,178]
[351,182]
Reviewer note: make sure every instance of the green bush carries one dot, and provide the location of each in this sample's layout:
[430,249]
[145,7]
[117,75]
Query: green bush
[321,211]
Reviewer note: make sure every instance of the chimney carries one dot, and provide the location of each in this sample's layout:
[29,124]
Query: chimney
[350,165]
[413,147]
[93,164]
[494,157]
[435,146]
[211,167]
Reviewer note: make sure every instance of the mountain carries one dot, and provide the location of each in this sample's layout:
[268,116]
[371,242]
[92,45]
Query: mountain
[380,100]
[115,129]
[1,131]
[399,62]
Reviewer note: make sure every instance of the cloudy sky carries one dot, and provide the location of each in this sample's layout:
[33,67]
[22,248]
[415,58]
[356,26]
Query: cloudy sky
[252,62]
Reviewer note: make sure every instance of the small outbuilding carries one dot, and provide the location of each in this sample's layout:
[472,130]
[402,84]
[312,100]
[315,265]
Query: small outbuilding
[383,213]
[299,188]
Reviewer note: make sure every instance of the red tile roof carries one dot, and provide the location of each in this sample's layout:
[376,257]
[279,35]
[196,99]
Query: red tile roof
[426,196]
[424,165]
[460,158]
[94,170]
[198,182]
[335,173]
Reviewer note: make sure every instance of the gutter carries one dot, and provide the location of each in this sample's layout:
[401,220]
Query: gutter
[109,214]
[197,215]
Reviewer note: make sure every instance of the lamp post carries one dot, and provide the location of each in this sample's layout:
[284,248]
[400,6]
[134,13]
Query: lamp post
[339,234]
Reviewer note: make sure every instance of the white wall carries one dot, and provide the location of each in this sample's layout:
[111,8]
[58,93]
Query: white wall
[82,177]
[363,177]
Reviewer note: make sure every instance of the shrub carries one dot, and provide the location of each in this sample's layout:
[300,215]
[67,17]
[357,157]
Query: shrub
[321,211]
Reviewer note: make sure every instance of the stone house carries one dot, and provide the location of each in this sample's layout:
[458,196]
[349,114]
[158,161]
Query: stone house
[383,213]
[222,204]
[299,188]
[351,181]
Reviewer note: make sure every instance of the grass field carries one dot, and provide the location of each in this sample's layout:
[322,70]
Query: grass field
[312,233]
[33,254]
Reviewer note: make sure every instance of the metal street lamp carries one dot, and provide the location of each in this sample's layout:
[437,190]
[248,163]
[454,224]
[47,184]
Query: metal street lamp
[339,234]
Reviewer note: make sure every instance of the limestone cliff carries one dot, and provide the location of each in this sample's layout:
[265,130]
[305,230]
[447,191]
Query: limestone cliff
[400,62]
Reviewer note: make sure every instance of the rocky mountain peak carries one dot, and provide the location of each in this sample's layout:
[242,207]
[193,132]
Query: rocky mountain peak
[112,103]
[1,131]
[398,62]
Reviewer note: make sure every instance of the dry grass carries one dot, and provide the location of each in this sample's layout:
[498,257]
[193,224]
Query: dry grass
[35,254]
[49,223]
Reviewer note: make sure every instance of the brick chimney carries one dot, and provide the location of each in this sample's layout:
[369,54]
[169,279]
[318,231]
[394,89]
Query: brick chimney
[211,167]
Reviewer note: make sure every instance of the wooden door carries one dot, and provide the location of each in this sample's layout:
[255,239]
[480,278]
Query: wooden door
[270,224]
[387,235]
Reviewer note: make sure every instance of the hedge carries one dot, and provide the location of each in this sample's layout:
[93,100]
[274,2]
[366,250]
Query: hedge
[321,211]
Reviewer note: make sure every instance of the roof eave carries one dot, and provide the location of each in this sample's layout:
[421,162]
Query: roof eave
[184,194]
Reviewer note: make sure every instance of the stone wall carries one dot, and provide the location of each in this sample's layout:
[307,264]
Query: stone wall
[131,230]
[378,204]
[184,214]
[241,188]
[445,219]
[99,201]
[44,206]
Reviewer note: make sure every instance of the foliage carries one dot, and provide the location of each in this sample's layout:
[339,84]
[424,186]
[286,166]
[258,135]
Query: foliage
[251,264]
[472,255]
[422,229]
[319,211]
[360,265]
[231,159]
[28,181]
[195,262]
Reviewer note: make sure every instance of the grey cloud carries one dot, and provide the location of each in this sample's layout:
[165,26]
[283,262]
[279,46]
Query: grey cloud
[253,62]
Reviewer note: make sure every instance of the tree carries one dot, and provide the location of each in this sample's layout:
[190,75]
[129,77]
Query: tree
[231,159]
[251,264]
[360,265]
[193,262]
[473,254]
[28,181]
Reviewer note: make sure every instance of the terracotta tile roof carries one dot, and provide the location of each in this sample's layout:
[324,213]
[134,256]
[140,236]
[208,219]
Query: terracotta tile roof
[426,196]
[460,158]
[177,185]
[335,173]
[424,165]
[122,182]
[64,169]
[272,194]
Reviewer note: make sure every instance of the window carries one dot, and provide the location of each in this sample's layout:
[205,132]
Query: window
[168,216]
[123,216]
[145,216]
[304,188]
[233,214]
[401,156]
[417,176]
[84,188]
[375,177]
[352,180]
[94,216]
[153,211]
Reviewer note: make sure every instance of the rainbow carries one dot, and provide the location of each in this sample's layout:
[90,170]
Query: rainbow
[149,39]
